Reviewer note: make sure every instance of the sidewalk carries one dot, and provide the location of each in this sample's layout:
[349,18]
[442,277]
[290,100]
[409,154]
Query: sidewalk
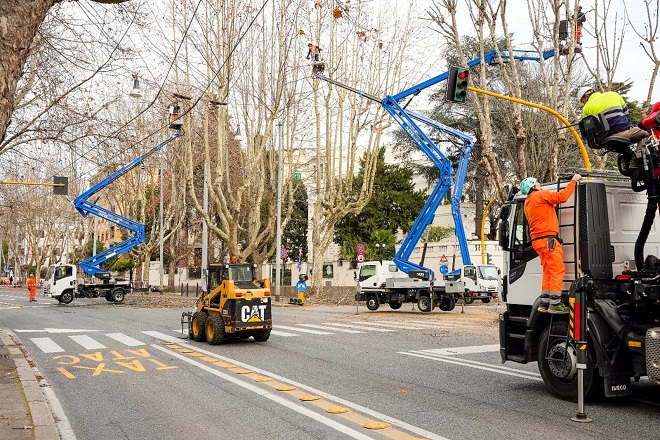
[24,411]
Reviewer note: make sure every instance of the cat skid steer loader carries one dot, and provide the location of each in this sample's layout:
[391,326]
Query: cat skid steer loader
[236,305]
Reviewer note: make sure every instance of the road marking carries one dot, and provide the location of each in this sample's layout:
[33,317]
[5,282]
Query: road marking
[285,334]
[87,342]
[304,330]
[465,350]
[359,327]
[56,330]
[126,340]
[478,365]
[375,414]
[450,324]
[400,325]
[325,327]
[268,395]
[427,325]
[47,345]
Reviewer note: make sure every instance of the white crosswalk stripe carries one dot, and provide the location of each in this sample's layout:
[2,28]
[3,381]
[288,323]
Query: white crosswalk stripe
[87,342]
[47,345]
[359,327]
[303,330]
[126,340]
[280,333]
[327,327]
[401,325]
[417,324]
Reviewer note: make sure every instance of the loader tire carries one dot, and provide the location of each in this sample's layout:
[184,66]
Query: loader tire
[66,297]
[118,295]
[198,325]
[261,336]
[215,329]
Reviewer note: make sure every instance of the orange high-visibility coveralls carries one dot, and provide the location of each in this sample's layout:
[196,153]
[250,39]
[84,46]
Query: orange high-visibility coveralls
[32,287]
[544,229]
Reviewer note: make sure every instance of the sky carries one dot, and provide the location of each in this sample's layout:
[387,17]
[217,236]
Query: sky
[633,65]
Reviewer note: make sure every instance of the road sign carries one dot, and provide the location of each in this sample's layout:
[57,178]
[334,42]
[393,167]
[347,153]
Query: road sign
[301,286]
[443,259]
[444,269]
[179,264]
[360,248]
[360,258]
[284,253]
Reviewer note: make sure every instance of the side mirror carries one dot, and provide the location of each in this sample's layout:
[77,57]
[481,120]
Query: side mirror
[355,275]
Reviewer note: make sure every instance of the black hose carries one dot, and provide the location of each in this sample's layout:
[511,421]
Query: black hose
[644,231]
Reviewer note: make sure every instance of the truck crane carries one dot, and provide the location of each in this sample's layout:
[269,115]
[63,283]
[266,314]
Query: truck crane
[61,280]
[401,280]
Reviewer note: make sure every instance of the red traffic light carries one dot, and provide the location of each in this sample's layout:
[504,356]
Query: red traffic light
[464,74]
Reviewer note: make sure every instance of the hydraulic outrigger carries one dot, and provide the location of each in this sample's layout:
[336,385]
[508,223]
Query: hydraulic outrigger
[406,120]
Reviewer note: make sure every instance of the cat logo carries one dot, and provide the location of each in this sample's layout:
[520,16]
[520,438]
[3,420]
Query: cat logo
[253,313]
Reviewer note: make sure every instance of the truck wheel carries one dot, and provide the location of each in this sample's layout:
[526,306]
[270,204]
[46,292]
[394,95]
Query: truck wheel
[198,325]
[467,299]
[108,297]
[558,365]
[425,304]
[215,329]
[485,300]
[66,297]
[447,303]
[372,302]
[117,295]
[395,305]
[261,336]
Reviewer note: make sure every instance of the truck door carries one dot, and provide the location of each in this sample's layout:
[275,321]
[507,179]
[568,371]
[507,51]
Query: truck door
[367,277]
[523,271]
[470,278]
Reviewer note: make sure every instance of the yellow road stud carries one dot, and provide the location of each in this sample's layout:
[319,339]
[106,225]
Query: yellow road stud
[337,410]
[286,388]
[376,425]
[309,397]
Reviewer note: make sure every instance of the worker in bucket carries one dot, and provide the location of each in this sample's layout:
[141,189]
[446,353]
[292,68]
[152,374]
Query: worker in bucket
[32,288]
[614,110]
[544,231]
[314,52]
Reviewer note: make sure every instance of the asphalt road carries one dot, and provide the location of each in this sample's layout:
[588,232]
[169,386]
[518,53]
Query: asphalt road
[120,372]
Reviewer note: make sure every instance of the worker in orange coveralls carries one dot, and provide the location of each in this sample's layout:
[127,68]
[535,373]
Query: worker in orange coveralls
[32,287]
[544,230]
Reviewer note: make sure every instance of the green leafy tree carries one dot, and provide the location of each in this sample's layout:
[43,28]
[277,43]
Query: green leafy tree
[295,233]
[393,206]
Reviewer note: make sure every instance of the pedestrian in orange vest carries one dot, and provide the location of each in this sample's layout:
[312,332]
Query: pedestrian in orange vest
[32,287]
[544,231]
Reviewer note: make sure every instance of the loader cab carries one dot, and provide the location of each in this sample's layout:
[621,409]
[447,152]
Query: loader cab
[238,273]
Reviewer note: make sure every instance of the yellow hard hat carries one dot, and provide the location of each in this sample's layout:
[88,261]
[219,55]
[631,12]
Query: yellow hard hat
[31,275]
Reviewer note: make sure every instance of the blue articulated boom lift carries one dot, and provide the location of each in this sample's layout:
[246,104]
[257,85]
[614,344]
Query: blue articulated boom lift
[91,266]
[407,120]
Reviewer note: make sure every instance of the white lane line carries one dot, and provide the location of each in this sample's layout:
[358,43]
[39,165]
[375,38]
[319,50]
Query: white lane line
[304,330]
[263,393]
[126,340]
[469,361]
[29,331]
[47,345]
[456,361]
[87,342]
[285,334]
[400,325]
[450,324]
[359,327]
[426,325]
[325,327]
[464,350]
[68,330]
[375,414]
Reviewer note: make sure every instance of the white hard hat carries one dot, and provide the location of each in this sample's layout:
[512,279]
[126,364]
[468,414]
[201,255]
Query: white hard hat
[586,90]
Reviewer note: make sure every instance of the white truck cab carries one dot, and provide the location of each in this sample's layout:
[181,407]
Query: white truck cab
[60,282]
[475,282]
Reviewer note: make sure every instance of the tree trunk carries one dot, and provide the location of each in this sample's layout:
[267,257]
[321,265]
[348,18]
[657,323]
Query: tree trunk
[18,24]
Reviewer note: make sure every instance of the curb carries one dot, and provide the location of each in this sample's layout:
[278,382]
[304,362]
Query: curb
[43,422]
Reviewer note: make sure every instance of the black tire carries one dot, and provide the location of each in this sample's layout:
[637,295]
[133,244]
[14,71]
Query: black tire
[485,300]
[118,295]
[215,329]
[559,372]
[467,299]
[395,305]
[261,336]
[425,304]
[372,302]
[108,297]
[198,326]
[447,303]
[66,297]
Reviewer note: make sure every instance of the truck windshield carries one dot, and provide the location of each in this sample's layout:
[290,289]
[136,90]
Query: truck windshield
[488,272]
[49,275]
[367,272]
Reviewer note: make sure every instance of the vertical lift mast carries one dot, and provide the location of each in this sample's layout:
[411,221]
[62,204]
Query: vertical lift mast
[407,119]
[91,266]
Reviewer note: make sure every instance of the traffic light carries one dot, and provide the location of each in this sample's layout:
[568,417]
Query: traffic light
[489,260]
[61,190]
[457,84]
